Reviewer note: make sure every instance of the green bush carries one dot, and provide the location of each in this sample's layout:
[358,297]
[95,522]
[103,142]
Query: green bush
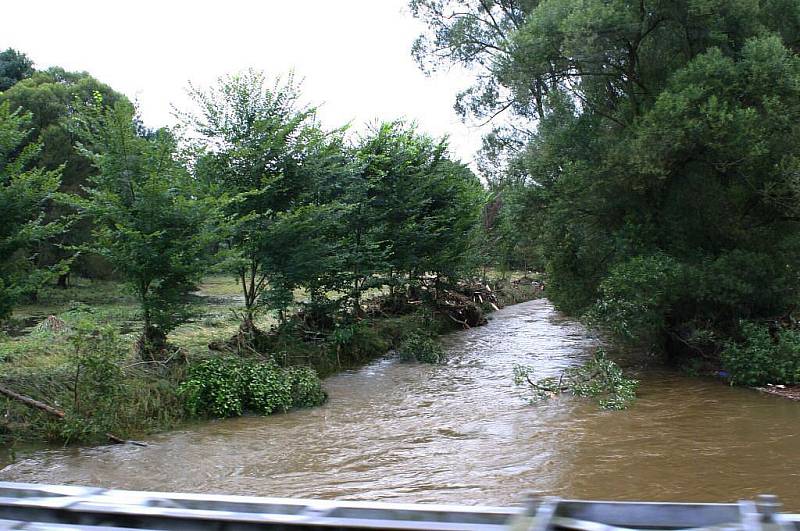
[266,387]
[92,405]
[421,348]
[636,297]
[761,357]
[357,343]
[214,387]
[227,387]
[306,387]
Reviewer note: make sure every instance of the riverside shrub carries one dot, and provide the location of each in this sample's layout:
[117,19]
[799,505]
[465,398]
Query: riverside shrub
[762,357]
[92,404]
[306,387]
[227,387]
[266,388]
[83,368]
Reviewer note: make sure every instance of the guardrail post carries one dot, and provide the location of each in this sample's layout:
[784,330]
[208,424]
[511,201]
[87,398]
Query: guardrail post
[768,507]
[538,514]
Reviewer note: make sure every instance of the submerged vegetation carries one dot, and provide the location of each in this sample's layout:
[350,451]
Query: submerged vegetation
[418,347]
[599,378]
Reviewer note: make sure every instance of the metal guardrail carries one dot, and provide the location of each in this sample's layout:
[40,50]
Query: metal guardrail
[40,507]
[760,515]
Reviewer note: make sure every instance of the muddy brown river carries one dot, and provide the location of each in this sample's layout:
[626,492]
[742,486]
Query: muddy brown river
[463,433]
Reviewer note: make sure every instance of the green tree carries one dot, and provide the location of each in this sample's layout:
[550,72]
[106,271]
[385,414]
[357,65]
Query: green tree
[362,253]
[477,34]
[305,245]
[261,146]
[24,194]
[422,206]
[14,66]
[53,97]
[152,221]
[658,168]
[450,199]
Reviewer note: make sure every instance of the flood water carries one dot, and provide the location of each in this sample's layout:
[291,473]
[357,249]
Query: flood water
[464,433]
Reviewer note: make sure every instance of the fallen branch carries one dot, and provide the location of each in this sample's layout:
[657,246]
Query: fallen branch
[599,378]
[555,390]
[462,323]
[28,401]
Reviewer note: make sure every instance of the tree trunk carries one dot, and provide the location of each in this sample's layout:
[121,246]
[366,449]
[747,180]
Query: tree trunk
[356,300]
[152,343]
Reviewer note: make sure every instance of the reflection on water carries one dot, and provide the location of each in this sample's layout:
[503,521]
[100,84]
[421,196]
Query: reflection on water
[463,433]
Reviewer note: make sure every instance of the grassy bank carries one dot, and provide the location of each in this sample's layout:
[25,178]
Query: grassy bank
[74,351]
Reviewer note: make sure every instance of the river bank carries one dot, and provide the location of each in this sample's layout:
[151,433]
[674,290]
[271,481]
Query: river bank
[462,432]
[39,360]
[783,391]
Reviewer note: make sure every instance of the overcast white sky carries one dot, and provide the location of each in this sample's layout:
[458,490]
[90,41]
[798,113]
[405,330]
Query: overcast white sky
[353,54]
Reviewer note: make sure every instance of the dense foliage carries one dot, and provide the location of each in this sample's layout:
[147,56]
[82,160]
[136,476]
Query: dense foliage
[256,187]
[307,209]
[422,348]
[261,147]
[54,97]
[14,67]
[650,157]
[227,387]
[24,193]
[763,356]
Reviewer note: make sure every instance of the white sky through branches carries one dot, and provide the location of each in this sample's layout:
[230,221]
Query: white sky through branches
[354,55]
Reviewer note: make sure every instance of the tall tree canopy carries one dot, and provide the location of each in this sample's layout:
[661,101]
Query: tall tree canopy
[261,148]
[14,66]
[151,220]
[53,98]
[424,204]
[658,157]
